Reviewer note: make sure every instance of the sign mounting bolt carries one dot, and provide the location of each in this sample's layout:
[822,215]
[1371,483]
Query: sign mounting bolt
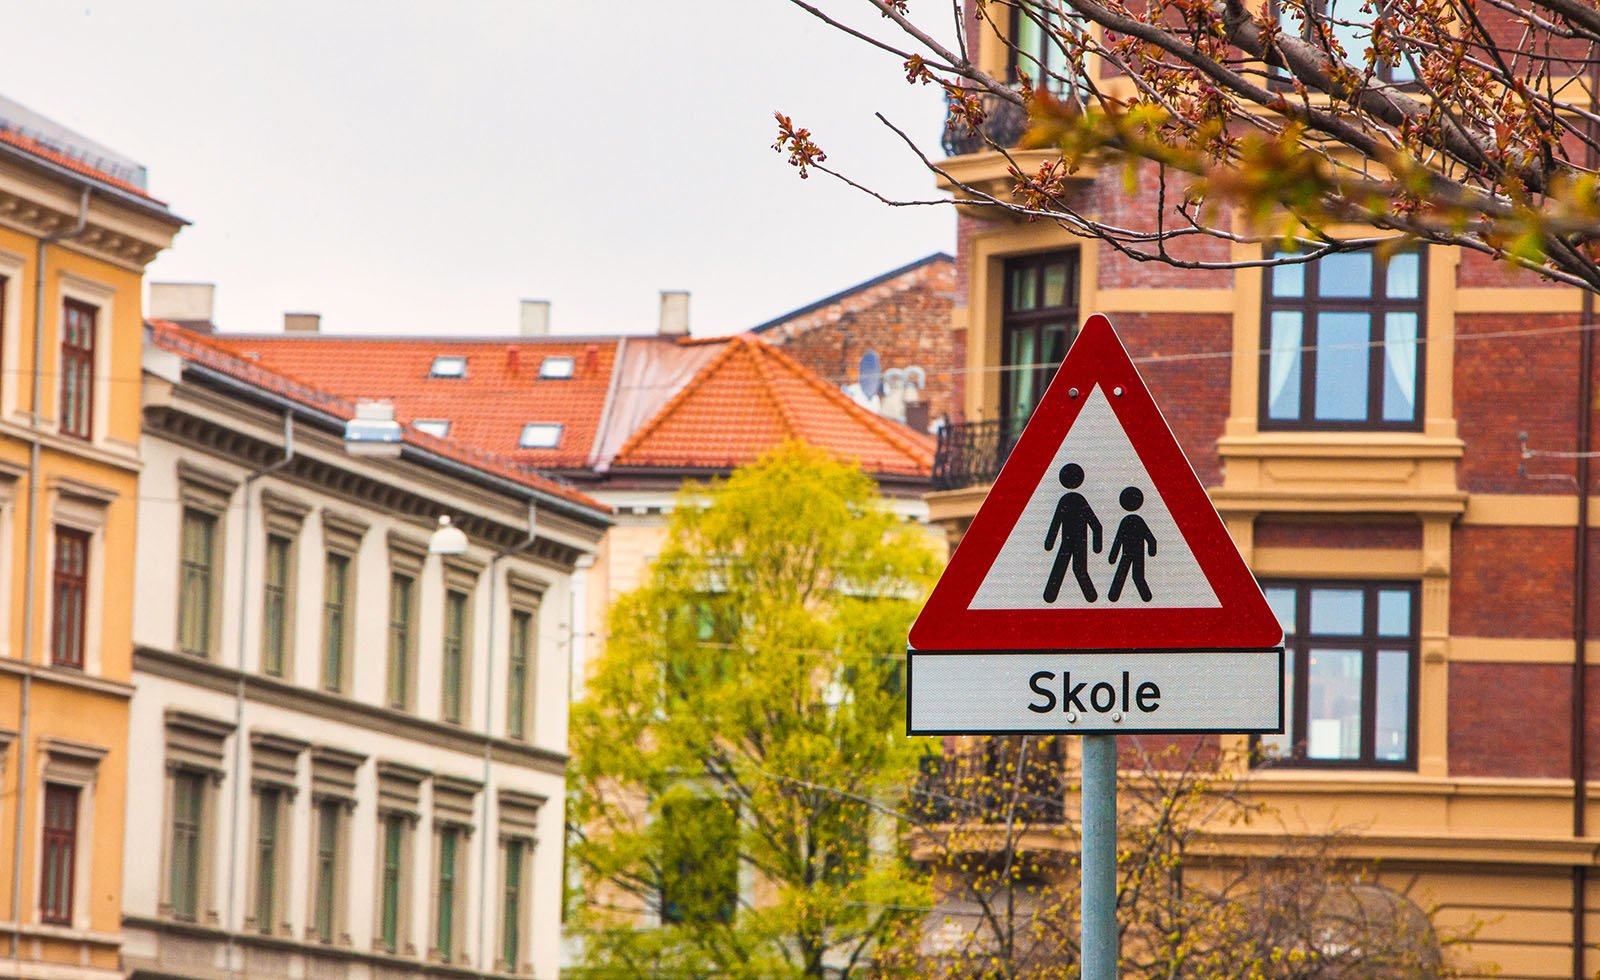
[1072,718]
[1116,716]
[1117,391]
[1072,392]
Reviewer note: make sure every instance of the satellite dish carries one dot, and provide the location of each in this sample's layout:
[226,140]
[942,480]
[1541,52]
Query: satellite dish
[871,374]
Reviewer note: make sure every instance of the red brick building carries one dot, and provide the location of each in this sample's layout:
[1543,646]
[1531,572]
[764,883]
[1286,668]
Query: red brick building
[1389,440]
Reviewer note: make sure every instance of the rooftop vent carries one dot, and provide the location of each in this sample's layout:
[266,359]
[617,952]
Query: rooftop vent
[448,366]
[302,322]
[556,367]
[373,432]
[540,435]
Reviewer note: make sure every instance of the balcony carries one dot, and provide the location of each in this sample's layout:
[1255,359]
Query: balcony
[988,786]
[970,454]
[1003,124]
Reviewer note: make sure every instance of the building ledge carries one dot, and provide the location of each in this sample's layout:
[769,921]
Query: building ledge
[971,176]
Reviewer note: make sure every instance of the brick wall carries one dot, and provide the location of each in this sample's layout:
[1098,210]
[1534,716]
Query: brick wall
[1511,581]
[1192,392]
[906,320]
[1509,720]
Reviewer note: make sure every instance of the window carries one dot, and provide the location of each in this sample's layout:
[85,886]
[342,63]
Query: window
[196,587]
[389,882]
[1038,52]
[269,803]
[325,895]
[455,642]
[540,435]
[448,366]
[275,605]
[438,428]
[402,589]
[59,854]
[1039,321]
[517,676]
[188,795]
[335,620]
[77,368]
[699,860]
[71,590]
[1349,674]
[1349,24]
[556,367]
[444,923]
[512,855]
[1341,343]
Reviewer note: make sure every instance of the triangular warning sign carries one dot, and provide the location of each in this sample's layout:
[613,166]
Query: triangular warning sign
[1096,535]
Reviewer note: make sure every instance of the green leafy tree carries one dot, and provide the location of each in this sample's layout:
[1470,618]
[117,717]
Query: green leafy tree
[1343,122]
[738,758]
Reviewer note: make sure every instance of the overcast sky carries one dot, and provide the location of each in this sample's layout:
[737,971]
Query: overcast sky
[422,167]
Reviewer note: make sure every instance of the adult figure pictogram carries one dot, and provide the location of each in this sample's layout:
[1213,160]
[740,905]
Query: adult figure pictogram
[1133,537]
[1073,521]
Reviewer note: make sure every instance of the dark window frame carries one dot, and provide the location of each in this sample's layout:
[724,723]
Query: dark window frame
[336,622]
[325,881]
[197,638]
[402,640]
[513,852]
[79,321]
[391,872]
[1035,63]
[69,589]
[58,857]
[517,673]
[453,702]
[1310,306]
[186,840]
[276,584]
[269,828]
[1297,651]
[445,907]
[1014,321]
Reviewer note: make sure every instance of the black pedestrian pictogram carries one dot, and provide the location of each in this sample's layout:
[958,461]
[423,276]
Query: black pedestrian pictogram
[1074,519]
[1133,537]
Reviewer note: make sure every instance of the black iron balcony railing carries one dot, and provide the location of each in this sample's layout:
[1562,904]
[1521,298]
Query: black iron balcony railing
[1003,124]
[989,786]
[970,454]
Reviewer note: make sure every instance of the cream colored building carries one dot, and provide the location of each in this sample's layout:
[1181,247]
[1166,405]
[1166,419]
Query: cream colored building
[349,751]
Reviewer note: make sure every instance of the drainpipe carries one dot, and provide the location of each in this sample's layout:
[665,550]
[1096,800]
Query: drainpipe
[484,832]
[31,573]
[239,782]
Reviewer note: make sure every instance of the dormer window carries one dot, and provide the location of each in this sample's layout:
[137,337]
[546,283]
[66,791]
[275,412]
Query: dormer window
[438,428]
[540,435]
[556,367]
[448,366]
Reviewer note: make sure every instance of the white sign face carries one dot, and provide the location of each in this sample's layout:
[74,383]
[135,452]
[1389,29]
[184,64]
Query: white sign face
[1095,519]
[1046,693]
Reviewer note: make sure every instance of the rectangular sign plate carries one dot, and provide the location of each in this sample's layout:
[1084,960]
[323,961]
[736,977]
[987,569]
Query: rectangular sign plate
[1042,693]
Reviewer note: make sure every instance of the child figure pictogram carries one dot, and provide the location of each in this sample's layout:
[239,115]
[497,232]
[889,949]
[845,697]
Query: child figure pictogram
[1128,547]
[1074,519]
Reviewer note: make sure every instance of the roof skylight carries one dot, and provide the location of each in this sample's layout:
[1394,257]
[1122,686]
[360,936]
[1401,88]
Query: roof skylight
[438,428]
[556,367]
[448,366]
[540,435]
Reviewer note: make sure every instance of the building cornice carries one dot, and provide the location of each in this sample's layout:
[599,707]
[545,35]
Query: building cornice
[117,230]
[328,706]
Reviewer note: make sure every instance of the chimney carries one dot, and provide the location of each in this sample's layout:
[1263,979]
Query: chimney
[302,322]
[535,318]
[188,304]
[674,313]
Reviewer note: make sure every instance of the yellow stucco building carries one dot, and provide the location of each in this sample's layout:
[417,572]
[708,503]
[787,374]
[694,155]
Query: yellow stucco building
[77,229]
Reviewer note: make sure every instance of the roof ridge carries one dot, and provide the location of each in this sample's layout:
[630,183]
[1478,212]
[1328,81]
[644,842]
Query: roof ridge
[839,297]
[749,342]
[659,418]
[902,441]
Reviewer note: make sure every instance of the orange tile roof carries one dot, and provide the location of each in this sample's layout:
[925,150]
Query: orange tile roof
[752,397]
[501,392]
[30,145]
[211,353]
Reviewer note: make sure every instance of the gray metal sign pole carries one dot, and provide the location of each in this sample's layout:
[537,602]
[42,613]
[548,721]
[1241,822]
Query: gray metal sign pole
[1098,862]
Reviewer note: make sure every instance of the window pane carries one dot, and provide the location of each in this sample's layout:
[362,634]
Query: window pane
[1020,375]
[1283,366]
[266,859]
[1394,612]
[1289,280]
[390,929]
[327,869]
[444,927]
[1336,612]
[333,621]
[1281,599]
[1055,285]
[1352,27]
[1333,709]
[184,872]
[1345,274]
[1399,367]
[1024,285]
[1393,738]
[1342,356]
[1402,274]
